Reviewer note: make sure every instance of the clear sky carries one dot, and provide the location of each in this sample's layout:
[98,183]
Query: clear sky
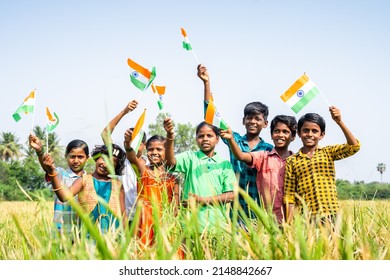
[74,53]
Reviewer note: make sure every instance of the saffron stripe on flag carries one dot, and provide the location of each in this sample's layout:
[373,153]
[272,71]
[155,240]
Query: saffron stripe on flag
[210,113]
[295,87]
[142,70]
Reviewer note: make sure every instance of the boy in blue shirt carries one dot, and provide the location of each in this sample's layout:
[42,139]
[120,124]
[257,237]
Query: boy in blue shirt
[254,120]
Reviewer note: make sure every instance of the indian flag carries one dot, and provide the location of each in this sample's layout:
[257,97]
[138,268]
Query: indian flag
[52,120]
[300,93]
[138,133]
[213,117]
[27,106]
[159,91]
[186,42]
[140,76]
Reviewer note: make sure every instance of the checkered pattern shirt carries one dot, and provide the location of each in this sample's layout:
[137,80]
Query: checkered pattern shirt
[312,180]
[247,176]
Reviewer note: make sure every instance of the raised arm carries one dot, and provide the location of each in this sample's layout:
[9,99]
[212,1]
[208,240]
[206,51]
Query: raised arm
[233,146]
[131,154]
[204,76]
[169,144]
[336,116]
[62,192]
[107,131]
[36,144]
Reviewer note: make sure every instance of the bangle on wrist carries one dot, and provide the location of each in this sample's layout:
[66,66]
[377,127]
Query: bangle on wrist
[129,149]
[57,189]
[170,138]
[52,175]
[40,153]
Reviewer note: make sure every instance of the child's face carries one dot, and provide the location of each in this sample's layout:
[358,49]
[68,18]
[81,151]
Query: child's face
[281,135]
[156,152]
[310,134]
[101,166]
[206,139]
[254,123]
[76,159]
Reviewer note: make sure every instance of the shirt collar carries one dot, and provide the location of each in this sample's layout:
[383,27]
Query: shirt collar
[202,156]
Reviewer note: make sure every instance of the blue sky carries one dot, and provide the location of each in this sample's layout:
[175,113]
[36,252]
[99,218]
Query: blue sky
[74,53]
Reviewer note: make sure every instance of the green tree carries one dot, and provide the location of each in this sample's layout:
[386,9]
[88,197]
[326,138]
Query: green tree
[184,134]
[55,149]
[10,149]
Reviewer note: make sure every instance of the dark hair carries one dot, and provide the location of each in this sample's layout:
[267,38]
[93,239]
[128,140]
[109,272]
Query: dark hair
[143,135]
[314,118]
[255,108]
[290,121]
[214,128]
[117,152]
[77,144]
[155,138]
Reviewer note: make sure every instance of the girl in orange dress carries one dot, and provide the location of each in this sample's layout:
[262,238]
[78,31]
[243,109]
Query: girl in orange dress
[155,186]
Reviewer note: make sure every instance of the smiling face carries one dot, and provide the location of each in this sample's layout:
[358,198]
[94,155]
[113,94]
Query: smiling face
[76,159]
[101,166]
[156,152]
[207,139]
[282,135]
[254,123]
[310,134]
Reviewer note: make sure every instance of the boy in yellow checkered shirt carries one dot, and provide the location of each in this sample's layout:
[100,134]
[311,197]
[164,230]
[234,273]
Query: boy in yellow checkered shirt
[310,173]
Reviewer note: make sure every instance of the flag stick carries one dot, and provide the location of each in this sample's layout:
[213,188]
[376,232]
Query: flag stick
[139,96]
[196,58]
[326,100]
[33,116]
[47,141]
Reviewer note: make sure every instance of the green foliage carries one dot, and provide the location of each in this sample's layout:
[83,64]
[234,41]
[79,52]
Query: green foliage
[10,149]
[362,191]
[184,134]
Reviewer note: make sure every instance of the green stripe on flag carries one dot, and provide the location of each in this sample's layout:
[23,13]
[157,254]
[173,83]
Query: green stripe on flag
[140,85]
[305,100]
[187,46]
[23,109]
[160,104]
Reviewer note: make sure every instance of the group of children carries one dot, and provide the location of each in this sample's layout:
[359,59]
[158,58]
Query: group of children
[272,175]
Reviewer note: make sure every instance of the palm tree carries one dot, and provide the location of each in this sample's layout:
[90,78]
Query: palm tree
[55,149]
[9,147]
[381,168]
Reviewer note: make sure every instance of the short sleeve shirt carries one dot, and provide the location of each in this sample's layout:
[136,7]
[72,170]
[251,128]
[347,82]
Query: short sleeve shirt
[206,176]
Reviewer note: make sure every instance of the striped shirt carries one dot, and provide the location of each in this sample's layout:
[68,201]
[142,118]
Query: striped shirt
[313,179]
[64,216]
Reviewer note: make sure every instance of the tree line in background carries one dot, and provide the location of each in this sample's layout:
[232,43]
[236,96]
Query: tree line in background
[19,165]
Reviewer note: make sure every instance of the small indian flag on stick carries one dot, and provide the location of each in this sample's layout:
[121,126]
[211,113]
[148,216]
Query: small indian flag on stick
[140,76]
[186,42]
[213,117]
[52,120]
[26,108]
[300,93]
[160,91]
[138,133]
